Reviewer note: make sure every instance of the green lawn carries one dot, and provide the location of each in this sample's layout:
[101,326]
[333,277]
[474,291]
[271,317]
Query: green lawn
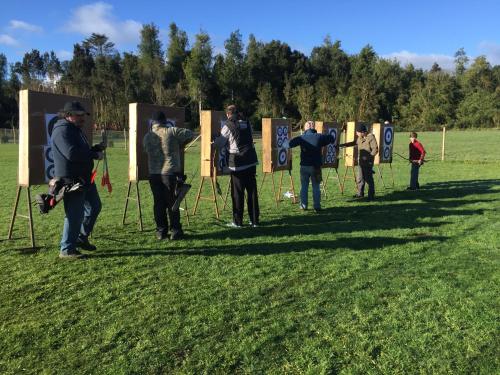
[406,284]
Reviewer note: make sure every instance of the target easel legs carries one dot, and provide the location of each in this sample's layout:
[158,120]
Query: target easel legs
[292,187]
[137,199]
[228,189]
[29,216]
[274,186]
[380,174]
[324,183]
[213,198]
[345,178]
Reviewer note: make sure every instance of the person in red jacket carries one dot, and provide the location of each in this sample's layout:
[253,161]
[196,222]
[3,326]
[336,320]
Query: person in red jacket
[417,154]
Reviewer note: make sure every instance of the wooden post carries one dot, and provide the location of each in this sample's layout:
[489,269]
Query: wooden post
[442,147]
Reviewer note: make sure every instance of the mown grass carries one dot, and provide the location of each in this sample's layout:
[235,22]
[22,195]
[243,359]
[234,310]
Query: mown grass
[405,284]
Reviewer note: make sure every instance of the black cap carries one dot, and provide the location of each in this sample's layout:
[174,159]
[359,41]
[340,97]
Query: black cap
[75,108]
[159,117]
[361,128]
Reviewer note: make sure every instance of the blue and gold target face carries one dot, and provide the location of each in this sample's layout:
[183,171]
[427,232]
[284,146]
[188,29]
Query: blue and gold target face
[50,120]
[388,136]
[386,154]
[281,137]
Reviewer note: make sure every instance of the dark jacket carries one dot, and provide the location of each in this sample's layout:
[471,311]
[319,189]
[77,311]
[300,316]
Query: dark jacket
[73,156]
[237,135]
[310,147]
[367,149]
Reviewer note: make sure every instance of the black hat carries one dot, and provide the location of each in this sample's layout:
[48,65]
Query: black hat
[159,118]
[75,108]
[361,128]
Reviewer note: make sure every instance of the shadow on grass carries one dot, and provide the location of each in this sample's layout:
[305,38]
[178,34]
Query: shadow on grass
[270,248]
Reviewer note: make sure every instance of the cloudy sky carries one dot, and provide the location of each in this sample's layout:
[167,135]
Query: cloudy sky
[421,32]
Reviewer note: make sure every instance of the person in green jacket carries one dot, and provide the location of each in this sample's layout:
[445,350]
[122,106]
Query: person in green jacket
[367,149]
[164,145]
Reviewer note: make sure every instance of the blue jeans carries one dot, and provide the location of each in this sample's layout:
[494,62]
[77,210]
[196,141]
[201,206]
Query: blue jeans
[308,173]
[415,167]
[82,209]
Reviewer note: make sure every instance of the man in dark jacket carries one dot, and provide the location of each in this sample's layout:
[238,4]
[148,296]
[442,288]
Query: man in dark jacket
[73,162]
[310,163]
[242,164]
[367,149]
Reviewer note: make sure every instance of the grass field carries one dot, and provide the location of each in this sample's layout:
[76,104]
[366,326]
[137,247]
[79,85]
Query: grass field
[406,284]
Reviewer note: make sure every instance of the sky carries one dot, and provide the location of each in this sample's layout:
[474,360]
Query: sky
[421,32]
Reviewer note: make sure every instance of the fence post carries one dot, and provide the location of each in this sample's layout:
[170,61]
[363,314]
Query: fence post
[442,147]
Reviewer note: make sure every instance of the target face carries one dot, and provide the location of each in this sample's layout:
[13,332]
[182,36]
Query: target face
[50,121]
[387,153]
[279,142]
[49,172]
[333,133]
[282,157]
[223,161]
[49,156]
[279,131]
[388,135]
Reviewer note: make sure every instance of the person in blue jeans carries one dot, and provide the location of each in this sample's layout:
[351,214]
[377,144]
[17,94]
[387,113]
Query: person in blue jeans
[310,162]
[73,163]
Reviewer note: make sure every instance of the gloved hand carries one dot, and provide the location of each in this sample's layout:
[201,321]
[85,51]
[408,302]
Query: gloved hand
[98,147]
[100,155]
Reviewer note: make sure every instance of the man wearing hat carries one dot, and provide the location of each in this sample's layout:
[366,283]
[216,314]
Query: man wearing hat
[367,149]
[73,163]
[164,145]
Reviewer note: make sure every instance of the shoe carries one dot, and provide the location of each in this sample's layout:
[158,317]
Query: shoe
[71,254]
[317,210]
[84,244]
[303,207]
[357,196]
[179,235]
[233,225]
[370,199]
[410,188]
[253,225]
[161,236]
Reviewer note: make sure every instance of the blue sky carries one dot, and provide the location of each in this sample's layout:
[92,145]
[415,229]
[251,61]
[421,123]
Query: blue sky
[420,32]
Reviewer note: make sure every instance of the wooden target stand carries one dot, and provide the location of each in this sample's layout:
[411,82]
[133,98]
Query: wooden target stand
[16,215]
[214,188]
[324,183]
[277,196]
[381,177]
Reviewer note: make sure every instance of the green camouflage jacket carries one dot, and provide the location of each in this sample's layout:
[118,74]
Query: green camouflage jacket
[164,146]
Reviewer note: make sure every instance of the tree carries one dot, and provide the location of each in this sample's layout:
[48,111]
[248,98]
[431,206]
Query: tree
[176,55]
[198,69]
[99,45]
[232,73]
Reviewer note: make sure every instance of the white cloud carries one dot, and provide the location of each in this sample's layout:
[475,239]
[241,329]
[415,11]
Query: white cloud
[21,25]
[8,40]
[492,52]
[98,18]
[64,55]
[422,61]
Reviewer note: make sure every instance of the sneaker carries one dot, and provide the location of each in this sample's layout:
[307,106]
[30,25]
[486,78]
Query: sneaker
[317,210]
[410,188]
[179,235]
[253,225]
[84,244]
[357,196]
[303,207]
[71,254]
[160,235]
[233,225]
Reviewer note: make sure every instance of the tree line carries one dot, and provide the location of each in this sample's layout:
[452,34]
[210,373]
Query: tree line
[263,79]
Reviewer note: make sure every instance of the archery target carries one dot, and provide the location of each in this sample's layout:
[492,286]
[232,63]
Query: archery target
[50,120]
[387,153]
[333,133]
[282,157]
[281,135]
[388,135]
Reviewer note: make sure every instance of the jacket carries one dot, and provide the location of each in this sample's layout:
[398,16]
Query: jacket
[164,145]
[367,149]
[237,135]
[310,147]
[73,156]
